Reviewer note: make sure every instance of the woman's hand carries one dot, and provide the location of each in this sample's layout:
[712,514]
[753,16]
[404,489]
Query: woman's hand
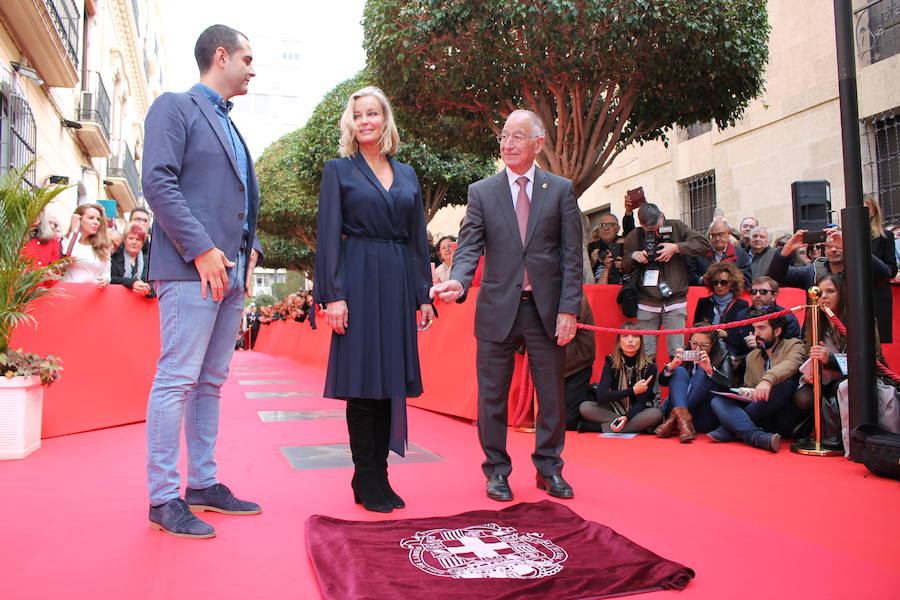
[75,224]
[618,423]
[426,317]
[337,316]
[141,288]
[641,385]
[102,281]
[676,362]
[704,362]
[820,353]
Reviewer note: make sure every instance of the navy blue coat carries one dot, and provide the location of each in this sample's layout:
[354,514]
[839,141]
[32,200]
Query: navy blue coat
[371,250]
[191,181]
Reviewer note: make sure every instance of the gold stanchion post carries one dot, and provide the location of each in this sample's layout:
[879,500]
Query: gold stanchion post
[814,447]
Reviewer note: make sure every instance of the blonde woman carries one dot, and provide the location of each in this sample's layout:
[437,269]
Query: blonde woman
[372,275]
[883,250]
[88,245]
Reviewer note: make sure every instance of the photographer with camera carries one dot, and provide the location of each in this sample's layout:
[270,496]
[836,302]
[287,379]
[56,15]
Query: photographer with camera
[655,254]
[833,262]
[691,376]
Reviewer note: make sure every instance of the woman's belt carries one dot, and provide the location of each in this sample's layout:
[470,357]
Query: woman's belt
[378,240]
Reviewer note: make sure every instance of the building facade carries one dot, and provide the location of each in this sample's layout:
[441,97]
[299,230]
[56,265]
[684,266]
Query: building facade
[791,133]
[76,80]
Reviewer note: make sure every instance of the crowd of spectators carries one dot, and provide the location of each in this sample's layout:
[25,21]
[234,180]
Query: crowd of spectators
[750,383]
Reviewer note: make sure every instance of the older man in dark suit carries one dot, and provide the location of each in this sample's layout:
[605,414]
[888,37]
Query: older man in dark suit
[526,223]
[198,178]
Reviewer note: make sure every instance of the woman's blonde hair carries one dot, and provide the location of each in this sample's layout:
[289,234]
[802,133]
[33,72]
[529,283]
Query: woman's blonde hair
[390,138]
[876,221]
[100,240]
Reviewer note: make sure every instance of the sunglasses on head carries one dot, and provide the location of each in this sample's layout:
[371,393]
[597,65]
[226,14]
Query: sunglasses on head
[761,292]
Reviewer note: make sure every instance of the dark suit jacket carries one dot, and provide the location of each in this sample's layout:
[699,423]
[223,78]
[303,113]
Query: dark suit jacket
[191,181]
[117,271]
[552,252]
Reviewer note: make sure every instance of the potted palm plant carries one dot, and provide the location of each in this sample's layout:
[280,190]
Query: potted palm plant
[22,374]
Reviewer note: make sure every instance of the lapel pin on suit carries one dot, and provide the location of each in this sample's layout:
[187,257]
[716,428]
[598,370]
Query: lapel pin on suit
[544,186]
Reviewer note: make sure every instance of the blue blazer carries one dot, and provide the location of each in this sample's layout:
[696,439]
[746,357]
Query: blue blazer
[191,181]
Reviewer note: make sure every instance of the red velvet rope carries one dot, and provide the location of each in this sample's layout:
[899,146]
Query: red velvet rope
[882,368]
[705,328]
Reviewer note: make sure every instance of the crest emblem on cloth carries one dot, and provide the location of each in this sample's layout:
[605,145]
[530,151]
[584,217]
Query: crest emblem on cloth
[486,551]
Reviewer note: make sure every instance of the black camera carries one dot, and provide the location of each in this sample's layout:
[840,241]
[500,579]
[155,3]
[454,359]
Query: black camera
[653,239]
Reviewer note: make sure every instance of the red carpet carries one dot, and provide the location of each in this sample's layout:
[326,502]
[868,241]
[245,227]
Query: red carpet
[751,524]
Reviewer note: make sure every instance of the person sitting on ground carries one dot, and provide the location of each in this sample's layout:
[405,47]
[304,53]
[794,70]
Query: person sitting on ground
[691,383]
[580,355]
[723,250]
[445,246]
[831,343]
[88,245]
[724,305]
[129,266]
[625,398]
[770,381]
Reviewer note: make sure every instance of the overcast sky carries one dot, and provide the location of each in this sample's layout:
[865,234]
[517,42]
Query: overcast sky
[329,32]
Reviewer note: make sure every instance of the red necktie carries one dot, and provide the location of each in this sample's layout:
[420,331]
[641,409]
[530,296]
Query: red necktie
[523,207]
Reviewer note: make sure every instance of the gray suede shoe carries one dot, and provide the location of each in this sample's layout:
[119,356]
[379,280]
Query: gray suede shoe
[218,498]
[175,518]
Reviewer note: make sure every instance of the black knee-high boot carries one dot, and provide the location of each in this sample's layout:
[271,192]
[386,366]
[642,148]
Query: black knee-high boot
[383,437]
[368,488]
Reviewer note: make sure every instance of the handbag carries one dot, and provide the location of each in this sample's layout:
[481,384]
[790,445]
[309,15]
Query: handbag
[880,450]
[628,299]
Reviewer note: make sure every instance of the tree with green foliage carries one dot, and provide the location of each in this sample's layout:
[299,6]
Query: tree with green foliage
[287,211]
[602,74]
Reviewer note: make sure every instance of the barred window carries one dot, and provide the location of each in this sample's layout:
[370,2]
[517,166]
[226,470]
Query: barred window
[17,132]
[877,30]
[882,140]
[699,200]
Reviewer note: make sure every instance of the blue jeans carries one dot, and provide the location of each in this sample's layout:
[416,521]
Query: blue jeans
[196,344]
[747,420]
[693,392]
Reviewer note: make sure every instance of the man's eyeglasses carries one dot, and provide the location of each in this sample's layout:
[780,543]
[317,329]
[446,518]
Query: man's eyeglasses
[718,234]
[608,225]
[722,282]
[754,292]
[514,137]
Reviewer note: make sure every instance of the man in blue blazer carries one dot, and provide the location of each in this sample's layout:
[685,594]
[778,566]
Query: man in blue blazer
[198,178]
[526,223]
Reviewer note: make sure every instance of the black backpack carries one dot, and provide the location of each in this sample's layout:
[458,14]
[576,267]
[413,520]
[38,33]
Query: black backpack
[879,448]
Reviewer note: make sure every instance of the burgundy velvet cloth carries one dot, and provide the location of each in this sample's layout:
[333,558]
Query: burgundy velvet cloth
[530,550]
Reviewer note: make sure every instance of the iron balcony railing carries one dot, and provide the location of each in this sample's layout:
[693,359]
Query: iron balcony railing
[121,164]
[94,105]
[66,18]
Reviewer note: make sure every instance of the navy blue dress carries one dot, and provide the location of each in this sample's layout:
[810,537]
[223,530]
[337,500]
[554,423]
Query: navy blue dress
[372,252]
